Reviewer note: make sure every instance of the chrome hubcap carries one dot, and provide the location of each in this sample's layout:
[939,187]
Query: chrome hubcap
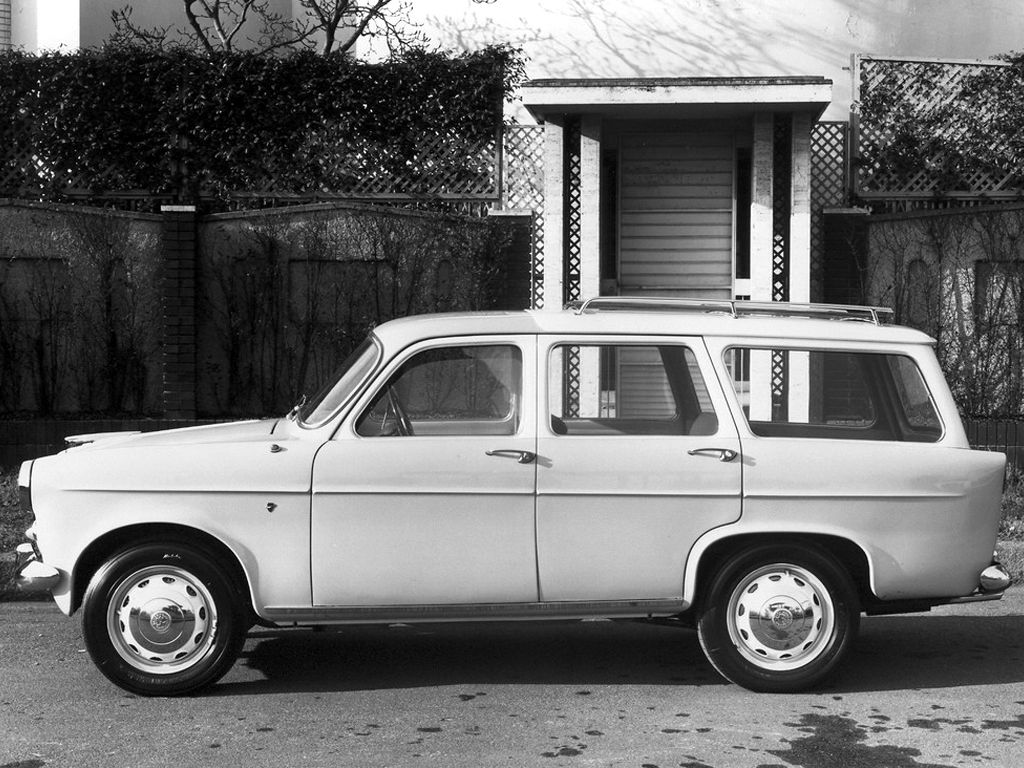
[161,620]
[781,617]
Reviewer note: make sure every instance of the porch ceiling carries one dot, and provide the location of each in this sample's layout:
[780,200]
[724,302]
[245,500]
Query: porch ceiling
[677,97]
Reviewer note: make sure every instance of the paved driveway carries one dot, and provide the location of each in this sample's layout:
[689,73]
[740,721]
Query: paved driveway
[939,689]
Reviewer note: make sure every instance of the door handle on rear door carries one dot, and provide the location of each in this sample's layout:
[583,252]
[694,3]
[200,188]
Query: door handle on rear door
[523,457]
[724,454]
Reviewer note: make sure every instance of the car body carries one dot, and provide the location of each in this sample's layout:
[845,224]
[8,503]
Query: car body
[764,472]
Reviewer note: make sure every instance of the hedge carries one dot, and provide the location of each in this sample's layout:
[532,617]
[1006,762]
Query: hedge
[188,125]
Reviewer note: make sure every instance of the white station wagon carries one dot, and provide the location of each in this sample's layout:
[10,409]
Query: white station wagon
[763,472]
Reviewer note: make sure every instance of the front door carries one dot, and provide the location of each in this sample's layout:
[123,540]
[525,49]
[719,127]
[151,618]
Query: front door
[637,457]
[426,494]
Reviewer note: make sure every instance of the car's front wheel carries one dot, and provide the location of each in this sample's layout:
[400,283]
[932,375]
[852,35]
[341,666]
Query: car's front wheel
[778,619]
[163,619]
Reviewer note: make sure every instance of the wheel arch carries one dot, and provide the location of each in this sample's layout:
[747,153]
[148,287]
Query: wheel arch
[100,550]
[709,559]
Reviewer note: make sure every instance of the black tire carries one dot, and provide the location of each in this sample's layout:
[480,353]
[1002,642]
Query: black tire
[164,619]
[778,618]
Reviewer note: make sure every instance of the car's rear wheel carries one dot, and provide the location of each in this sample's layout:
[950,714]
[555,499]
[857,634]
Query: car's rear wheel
[778,618]
[163,619]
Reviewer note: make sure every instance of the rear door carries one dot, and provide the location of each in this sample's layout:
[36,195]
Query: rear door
[637,457]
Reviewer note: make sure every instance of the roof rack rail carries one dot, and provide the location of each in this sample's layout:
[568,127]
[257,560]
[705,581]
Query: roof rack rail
[875,315]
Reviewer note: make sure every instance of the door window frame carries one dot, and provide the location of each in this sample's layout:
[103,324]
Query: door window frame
[723,345]
[548,344]
[524,343]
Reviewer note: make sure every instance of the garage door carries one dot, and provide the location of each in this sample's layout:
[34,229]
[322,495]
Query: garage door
[676,215]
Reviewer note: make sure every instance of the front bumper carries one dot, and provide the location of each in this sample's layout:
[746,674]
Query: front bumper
[31,574]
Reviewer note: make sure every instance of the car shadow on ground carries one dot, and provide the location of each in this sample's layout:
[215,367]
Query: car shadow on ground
[892,653]
[922,651]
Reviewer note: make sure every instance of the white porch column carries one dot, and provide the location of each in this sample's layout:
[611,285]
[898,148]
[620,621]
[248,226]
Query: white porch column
[761,233]
[590,206]
[554,211]
[761,208]
[590,252]
[800,211]
[800,259]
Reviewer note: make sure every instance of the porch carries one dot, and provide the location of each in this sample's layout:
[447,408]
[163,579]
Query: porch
[687,187]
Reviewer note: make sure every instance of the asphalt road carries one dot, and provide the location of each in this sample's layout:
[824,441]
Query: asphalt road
[938,689]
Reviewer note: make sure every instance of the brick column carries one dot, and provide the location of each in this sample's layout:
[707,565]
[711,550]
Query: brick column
[178,299]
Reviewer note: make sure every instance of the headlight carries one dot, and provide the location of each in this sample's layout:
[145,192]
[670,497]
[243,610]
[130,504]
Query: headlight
[25,486]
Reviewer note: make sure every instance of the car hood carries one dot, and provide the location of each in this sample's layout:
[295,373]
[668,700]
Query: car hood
[233,432]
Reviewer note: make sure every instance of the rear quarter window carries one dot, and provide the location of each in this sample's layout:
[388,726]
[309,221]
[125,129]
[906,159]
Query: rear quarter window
[816,393]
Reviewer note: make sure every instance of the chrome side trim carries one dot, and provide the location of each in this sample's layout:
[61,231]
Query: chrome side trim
[388,614]
[982,598]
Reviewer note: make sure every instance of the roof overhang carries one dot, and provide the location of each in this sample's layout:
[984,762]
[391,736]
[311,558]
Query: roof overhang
[677,97]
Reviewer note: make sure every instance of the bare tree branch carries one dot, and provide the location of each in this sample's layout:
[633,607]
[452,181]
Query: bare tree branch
[215,25]
[126,30]
[200,34]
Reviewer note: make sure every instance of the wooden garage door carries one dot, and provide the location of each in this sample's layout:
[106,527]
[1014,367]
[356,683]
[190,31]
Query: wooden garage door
[676,215]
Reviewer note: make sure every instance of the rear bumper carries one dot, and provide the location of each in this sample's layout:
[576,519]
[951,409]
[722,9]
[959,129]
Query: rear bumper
[31,574]
[994,579]
[992,582]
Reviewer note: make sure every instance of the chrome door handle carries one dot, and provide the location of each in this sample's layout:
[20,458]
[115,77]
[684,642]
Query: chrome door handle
[724,454]
[523,457]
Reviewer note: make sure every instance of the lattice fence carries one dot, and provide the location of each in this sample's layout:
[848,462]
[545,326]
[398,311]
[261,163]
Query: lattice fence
[782,180]
[439,167]
[925,91]
[26,174]
[828,190]
[523,189]
[782,163]
[573,260]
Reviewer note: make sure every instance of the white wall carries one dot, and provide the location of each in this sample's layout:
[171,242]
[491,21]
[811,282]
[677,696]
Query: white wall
[640,38]
[44,25]
[710,38]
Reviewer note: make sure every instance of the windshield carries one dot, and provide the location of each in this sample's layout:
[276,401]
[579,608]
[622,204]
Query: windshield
[341,385]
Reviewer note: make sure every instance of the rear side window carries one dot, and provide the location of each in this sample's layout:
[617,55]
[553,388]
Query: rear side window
[833,394]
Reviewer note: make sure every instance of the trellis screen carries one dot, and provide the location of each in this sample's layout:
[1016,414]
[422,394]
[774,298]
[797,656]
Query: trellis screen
[924,87]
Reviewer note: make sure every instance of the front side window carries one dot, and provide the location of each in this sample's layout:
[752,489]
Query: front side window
[833,394]
[611,389]
[459,390]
